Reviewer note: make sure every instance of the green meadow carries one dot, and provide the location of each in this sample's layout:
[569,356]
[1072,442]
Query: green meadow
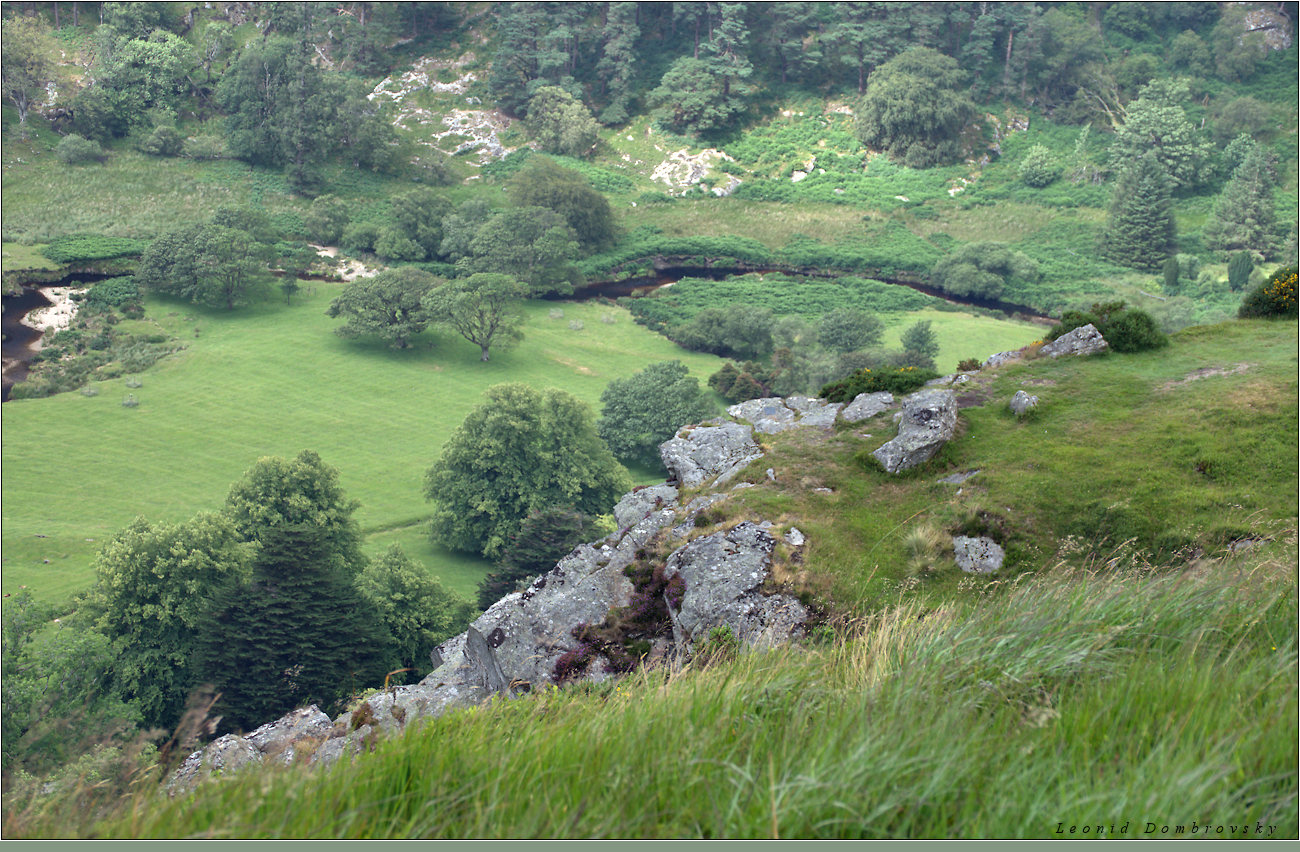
[275,380]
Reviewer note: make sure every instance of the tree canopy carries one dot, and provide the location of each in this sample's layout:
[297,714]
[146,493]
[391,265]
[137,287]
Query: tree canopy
[915,107]
[482,308]
[388,305]
[647,408]
[545,183]
[1140,224]
[522,449]
[28,62]
[982,269]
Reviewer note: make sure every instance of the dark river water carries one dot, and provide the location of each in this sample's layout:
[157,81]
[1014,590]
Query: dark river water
[20,341]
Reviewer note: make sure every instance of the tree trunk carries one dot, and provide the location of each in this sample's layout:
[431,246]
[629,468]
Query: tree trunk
[485,352]
[56,14]
[75,13]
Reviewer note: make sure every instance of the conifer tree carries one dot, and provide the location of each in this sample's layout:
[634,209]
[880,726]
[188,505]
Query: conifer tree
[1244,216]
[1140,228]
[298,633]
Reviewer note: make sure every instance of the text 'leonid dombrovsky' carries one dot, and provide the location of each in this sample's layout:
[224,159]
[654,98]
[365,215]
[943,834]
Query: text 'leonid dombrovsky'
[1257,829]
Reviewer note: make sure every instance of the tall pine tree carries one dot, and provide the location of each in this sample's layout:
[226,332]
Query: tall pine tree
[1140,228]
[1244,217]
[298,633]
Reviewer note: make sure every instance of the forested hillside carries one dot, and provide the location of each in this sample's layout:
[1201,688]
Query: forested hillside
[329,324]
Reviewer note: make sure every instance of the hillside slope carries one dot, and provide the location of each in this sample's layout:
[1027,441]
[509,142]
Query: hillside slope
[1135,658]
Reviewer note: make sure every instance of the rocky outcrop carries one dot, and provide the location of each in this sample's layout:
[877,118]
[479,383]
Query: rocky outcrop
[723,572]
[1003,358]
[1084,340]
[929,418]
[709,454]
[867,405]
[772,414]
[1022,403]
[977,555]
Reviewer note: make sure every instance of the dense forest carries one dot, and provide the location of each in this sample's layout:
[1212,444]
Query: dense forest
[841,197]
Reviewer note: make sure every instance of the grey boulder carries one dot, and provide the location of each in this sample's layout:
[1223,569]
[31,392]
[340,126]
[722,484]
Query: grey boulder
[709,454]
[977,555]
[929,418]
[1084,340]
[1023,402]
[867,405]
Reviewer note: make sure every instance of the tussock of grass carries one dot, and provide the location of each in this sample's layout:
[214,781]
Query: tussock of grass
[1083,695]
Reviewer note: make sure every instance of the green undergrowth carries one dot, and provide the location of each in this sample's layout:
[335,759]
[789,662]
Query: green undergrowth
[1077,697]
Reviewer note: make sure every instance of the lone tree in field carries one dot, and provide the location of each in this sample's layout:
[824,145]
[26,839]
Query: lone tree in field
[647,408]
[387,305]
[848,330]
[28,63]
[523,449]
[483,309]
[915,108]
[1140,227]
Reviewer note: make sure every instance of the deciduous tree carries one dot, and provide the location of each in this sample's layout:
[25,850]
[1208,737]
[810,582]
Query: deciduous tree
[387,305]
[521,450]
[482,308]
[647,408]
[28,65]
[915,108]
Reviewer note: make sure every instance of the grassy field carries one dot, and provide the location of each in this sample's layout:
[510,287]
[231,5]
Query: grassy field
[275,380]
[1160,454]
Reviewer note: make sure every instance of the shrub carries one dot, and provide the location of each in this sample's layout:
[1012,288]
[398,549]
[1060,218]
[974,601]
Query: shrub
[1276,297]
[968,365]
[1125,329]
[77,150]
[901,381]
[163,142]
[1039,167]
[718,645]
[113,292]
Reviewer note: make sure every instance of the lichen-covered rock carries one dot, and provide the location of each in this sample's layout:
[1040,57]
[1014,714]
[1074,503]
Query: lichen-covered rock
[276,739]
[723,572]
[710,454]
[222,756]
[929,418]
[1023,402]
[636,505]
[867,405]
[772,414]
[1084,340]
[1003,358]
[977,555]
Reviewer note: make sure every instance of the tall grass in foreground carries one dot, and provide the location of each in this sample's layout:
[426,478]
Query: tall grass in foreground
[1076,696]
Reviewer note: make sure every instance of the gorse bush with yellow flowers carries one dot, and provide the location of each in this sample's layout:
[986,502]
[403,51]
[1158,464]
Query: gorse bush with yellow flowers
[1276,297]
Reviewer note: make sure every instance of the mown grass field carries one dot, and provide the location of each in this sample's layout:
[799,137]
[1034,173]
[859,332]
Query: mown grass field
[274,380]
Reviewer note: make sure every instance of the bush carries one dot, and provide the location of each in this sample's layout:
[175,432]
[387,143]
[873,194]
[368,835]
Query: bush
[1039,168]
[1125,329]
[163,142]
[901,381]
[1276,297]
[204,147]
[968,365]
[77,150]
[113,292]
